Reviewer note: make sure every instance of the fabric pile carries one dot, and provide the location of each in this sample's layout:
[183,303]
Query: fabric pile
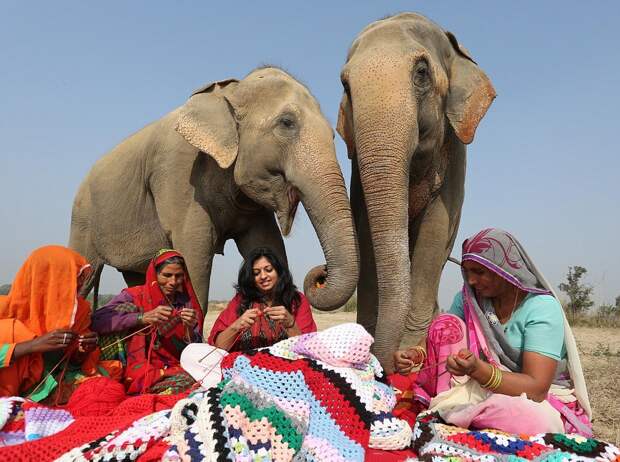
[434,440]
[311,397]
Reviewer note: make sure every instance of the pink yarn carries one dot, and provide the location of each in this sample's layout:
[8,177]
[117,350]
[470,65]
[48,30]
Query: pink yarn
[96,397]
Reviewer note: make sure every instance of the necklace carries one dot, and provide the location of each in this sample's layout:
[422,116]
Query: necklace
[505,319]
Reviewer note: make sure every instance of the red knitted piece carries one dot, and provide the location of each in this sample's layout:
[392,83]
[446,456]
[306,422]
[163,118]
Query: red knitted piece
[96,397]
[86,429]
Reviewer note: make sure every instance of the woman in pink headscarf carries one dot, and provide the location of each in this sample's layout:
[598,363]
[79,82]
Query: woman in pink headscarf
[504,355]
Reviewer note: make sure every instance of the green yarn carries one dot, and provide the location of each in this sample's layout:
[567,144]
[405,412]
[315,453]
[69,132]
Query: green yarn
[588,445]
[277,418]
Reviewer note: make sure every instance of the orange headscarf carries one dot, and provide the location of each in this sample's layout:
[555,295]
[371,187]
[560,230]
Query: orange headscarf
[44,293]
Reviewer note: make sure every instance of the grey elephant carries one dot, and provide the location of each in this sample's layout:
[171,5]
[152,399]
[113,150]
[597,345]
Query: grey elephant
[218,168]
[413,98]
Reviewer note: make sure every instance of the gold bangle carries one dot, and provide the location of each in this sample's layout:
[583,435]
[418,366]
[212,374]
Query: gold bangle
[491,379]
[498,379]
[422,350]
[291,326]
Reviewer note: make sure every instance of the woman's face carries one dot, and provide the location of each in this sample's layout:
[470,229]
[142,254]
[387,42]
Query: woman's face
[265,275]
[170,278]
[485,282]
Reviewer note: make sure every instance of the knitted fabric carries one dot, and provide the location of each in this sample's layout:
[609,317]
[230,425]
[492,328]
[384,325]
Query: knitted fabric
[88,433]
[23,421]
[436,441]
[312,397]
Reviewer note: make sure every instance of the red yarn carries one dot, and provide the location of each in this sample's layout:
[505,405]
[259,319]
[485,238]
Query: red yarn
[98,396]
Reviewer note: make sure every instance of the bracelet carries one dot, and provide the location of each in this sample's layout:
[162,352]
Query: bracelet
[422,350]
[495,380]
[291,325]
[139,318]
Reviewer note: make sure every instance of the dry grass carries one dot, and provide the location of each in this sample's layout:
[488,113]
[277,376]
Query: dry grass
[600,356]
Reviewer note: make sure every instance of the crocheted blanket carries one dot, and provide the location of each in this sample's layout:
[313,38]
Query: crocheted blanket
[312,397]
[436,441]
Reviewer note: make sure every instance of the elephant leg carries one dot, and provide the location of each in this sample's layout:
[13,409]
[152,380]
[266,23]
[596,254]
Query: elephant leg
[263,233]
[367,291]
[133,278]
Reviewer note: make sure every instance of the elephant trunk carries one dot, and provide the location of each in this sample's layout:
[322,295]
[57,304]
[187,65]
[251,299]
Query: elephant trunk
[325,199]
[386,134]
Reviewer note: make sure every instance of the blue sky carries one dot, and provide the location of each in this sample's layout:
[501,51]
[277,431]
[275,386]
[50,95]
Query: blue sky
[78,77]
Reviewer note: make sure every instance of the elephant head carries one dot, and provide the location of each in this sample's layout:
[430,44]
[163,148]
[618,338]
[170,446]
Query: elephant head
[270,130]
[408,88]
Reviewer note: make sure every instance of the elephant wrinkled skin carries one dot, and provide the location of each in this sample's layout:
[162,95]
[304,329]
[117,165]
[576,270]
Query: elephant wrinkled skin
[412,99]
[218,168]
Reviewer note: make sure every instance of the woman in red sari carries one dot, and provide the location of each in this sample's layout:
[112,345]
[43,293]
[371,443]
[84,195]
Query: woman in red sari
[266,309]
[167,303]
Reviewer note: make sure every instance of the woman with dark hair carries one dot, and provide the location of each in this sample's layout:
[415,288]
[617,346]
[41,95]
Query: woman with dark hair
[266,309]
[168,305]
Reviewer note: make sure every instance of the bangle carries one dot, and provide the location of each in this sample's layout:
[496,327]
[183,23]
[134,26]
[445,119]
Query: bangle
[422,350]
[139,318]
[291,325]
[495,380]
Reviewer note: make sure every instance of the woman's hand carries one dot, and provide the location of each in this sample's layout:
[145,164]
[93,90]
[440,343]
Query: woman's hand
[402,362]
[188,317]
[246,320]
[280,314]
[87,342]
[463,363]
[54,340]
[160,314]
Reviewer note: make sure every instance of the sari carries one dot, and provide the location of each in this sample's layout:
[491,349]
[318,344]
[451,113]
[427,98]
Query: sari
[264,332]
[153,357]
[461,400]
[43,297]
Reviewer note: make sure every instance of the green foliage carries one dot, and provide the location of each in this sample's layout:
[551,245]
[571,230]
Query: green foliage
[351,305]
[5,289]
[579,293]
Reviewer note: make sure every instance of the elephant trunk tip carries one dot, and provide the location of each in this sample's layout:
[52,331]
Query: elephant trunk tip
[320,294]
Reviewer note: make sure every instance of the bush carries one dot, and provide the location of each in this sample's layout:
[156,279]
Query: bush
[5,289]
[351,305]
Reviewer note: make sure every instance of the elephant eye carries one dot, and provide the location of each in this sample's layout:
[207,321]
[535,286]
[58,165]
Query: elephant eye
[421,75]
[287,122]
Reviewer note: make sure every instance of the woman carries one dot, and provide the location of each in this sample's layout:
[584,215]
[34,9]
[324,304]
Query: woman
[504,357]
[43,323]
[153,323]
[266,309]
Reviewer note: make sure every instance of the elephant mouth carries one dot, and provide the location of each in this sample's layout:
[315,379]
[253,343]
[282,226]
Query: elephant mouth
[287,216]
[293,201]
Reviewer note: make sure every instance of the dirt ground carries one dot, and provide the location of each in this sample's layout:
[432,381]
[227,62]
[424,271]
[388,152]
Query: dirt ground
[600,356]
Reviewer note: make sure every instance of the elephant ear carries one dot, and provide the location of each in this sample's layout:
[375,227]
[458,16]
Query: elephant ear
[344,127]
[470,94]
[208,123]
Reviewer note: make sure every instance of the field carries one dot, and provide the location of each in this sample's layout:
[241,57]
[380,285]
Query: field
[600,356]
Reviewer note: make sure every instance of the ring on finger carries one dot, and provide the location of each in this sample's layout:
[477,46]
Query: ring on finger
[64,338]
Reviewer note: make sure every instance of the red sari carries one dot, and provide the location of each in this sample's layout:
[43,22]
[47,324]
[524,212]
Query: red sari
[264,332]
[154,357]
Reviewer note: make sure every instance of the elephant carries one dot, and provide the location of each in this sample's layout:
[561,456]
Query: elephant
[412,99]
[217,168]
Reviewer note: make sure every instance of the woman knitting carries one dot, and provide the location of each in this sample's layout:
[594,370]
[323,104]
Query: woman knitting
[157,320]
[266,309]
[44,323]
[504,356]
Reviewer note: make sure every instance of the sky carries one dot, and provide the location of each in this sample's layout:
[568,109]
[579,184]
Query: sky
[78,77]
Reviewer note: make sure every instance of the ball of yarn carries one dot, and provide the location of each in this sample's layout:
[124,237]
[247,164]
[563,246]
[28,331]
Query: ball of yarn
[95,397]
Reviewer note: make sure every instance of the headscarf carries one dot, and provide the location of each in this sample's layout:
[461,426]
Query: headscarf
[44,294]
[147,360]
[502,254]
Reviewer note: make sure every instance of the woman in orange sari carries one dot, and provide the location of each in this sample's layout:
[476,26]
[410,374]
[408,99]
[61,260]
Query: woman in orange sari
[44,321]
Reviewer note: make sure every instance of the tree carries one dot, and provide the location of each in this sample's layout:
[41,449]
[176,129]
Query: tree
[578,292]
[5,289]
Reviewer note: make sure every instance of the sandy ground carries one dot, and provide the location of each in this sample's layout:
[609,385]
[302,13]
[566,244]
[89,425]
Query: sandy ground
[600,356]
